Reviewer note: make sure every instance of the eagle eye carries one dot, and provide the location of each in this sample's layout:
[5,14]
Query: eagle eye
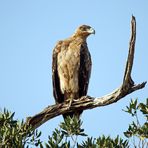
[84,28]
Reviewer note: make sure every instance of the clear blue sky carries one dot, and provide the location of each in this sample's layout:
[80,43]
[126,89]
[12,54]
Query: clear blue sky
[29,31]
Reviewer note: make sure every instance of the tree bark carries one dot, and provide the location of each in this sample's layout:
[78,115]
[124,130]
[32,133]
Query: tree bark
[86,102]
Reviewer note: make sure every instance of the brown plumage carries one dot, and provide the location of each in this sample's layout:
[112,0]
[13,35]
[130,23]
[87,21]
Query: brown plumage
[71,68]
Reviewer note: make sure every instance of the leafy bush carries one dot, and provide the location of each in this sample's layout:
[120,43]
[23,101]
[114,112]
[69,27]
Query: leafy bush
[16,134]
[138,132]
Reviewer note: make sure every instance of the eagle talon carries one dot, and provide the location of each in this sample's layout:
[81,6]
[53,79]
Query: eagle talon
[67,108]
[76,99]
[69,105]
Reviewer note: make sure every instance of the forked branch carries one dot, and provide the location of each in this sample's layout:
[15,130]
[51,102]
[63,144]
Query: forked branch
[87,102]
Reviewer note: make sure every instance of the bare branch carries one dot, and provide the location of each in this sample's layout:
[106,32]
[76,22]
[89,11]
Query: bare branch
[87,102]
[129,64]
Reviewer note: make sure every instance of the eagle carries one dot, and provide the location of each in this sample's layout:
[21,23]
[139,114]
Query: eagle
[71,68]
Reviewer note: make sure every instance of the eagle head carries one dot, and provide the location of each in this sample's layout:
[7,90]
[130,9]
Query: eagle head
[84,30]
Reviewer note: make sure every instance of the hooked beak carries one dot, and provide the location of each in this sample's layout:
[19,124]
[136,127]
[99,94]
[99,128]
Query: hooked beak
[91,31]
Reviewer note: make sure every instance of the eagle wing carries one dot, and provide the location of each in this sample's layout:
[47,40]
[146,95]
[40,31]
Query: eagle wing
[59,97]
[84,72]
[85,69]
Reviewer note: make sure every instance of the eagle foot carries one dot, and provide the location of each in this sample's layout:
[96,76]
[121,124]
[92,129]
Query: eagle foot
[69,105]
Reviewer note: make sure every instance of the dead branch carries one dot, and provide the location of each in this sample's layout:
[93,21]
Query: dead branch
[87,102]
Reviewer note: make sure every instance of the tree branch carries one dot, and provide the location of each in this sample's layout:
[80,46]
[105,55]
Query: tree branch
[87,102]
[129,64]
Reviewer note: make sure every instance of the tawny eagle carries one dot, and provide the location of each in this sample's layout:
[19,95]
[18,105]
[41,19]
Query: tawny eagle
[71,68]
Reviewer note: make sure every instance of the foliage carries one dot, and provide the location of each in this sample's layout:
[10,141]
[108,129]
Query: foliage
[16,134]
[104,142]
[138,132]
[67,135]
[70,129]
